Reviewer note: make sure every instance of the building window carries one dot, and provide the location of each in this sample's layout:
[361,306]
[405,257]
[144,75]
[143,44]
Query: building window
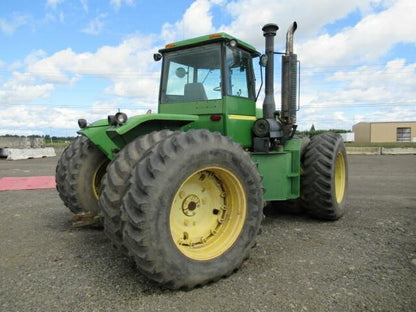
[403,134]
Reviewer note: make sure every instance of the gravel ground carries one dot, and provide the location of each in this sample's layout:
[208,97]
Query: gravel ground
[364,262]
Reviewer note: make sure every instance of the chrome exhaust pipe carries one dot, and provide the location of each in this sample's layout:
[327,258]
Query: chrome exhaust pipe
[289,80]
[289,38]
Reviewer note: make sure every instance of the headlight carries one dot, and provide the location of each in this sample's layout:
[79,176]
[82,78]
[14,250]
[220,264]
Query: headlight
[121,118]
[117,119]
[82,123]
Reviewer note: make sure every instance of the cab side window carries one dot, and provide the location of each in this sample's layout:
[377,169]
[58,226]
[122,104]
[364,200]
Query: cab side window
[238,66]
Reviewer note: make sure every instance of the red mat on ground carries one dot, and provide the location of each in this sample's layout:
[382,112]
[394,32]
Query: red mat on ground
[27,183]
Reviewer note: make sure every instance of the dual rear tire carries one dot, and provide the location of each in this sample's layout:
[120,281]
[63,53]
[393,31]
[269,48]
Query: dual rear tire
[116,182]
[193,209]
[325,176]
[185,206]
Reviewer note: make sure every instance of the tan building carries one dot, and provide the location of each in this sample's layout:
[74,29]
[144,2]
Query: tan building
[376,132]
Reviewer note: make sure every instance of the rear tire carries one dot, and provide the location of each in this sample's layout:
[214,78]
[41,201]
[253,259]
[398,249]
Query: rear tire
[194,208]
[115,183]
[78,176]
[325,176]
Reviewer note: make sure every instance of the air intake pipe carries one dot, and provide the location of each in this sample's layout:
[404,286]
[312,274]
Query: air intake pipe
[267,130]
[269,106]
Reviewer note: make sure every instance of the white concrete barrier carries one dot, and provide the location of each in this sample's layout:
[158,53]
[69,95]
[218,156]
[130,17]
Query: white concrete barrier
[26,153]
[12,142]
[398,150]
[363,150]
[380,150]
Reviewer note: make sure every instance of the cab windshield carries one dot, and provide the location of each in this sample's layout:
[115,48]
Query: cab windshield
[194,74]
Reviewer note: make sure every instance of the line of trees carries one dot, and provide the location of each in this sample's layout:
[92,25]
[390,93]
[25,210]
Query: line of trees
[313,132]
[47,137]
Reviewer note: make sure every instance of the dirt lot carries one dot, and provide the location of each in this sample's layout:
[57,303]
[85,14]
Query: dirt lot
[364,262]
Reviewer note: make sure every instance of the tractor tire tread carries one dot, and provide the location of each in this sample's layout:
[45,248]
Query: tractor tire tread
[140,228]
[80,155]
[116,181]
[317,182]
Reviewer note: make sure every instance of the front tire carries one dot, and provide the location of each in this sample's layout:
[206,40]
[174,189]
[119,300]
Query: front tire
[78,176]
[325,176]
[194,208]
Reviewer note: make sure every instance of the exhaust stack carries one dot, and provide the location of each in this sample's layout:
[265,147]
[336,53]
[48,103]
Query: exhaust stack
[289,82]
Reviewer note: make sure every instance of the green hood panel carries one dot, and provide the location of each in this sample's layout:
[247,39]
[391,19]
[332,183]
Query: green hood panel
[133,122]
[96,132]
[110,139]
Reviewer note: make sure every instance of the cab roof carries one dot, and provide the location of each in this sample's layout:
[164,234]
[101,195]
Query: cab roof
[209,39]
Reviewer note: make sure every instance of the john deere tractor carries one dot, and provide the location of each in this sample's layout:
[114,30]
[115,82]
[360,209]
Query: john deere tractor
[182,191]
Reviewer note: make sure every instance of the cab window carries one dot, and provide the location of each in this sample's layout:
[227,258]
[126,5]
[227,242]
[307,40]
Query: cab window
[192,75]
[238,67]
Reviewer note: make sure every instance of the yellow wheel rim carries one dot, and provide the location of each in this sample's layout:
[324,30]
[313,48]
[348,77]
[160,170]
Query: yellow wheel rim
[208,213]
[340,177]
[97,176]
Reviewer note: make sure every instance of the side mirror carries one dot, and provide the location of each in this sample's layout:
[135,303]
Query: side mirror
[263,60]
[157,57]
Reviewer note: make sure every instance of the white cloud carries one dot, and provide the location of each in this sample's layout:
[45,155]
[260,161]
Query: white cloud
[40,120]
[392,83]
[250,15]
[128,66]
[9,27]
[196,21]
[34,57]
[383,23]
[30,119]
[55,17]
[104,108]
[364,93]
[95,26]
[21,132]
[52,69]
[136,87]
[84,5]
[53,3]
[23,88]
[369,39]
[116,4]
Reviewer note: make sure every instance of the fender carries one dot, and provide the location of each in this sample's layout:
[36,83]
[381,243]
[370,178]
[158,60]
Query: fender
[110,139]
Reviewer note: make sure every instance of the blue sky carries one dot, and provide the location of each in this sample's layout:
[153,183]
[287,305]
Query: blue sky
[61,60]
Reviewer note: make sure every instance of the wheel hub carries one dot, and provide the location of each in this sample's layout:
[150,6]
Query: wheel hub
[190,204]
[207,213]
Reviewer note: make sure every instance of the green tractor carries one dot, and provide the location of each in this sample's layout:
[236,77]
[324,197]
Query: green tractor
[182,191]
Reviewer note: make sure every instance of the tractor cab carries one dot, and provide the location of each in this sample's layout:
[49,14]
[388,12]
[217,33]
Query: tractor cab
[212,77]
